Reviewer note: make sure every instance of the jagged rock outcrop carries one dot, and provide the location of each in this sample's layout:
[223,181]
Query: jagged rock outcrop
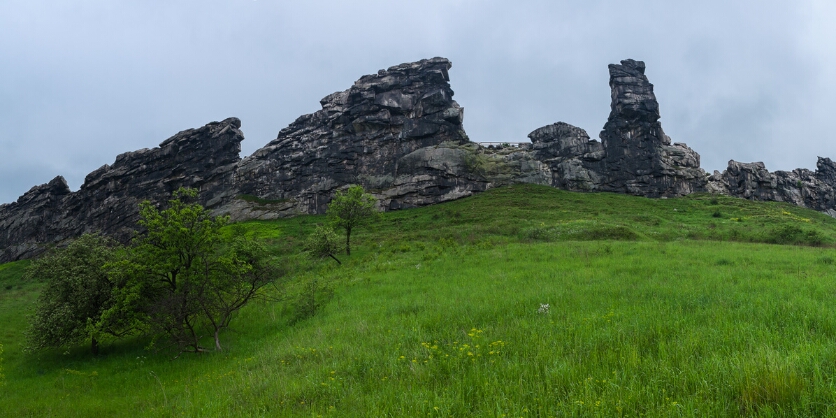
[27,224]
[802,187]
[640,158]
[376,134]
[108,201]
[634,155]
[399,134]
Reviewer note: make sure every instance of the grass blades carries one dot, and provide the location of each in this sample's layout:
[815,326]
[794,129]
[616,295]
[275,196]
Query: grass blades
[656,308]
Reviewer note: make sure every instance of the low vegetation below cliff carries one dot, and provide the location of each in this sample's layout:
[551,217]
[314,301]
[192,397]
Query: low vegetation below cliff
[520,301]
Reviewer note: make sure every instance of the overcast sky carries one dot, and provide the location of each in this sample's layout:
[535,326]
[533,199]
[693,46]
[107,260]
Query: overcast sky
[82,81]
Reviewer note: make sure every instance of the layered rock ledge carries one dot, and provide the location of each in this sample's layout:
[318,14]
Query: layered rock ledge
[108,201]
[378,133]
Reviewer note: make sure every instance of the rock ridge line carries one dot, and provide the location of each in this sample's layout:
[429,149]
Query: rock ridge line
[399,134]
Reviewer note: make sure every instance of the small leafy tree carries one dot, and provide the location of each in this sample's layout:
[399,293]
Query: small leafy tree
[351,209]
[244,268]
[184,278]
[78,291]
[324,242]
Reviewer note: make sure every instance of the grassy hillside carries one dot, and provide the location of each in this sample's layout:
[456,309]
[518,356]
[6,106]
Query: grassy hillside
[672,307]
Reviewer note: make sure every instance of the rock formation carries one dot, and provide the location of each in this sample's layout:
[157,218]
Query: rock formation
[108,200]
[640,159]
[802,187]
[399,134]
[378,133]
[634,155]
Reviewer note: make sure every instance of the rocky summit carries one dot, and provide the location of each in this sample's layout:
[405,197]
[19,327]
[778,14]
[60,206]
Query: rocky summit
[378,133]
[399,134]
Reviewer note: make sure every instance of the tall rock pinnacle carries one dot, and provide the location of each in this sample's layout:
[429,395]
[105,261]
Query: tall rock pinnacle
[639,156]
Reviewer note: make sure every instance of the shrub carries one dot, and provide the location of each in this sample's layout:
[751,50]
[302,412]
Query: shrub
[351,209]
[791,234]
[323,242]
[2,376]
[77,295]
[183,279]
[312,297]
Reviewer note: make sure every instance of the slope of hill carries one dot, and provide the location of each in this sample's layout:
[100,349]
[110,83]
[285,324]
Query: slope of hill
[655,307]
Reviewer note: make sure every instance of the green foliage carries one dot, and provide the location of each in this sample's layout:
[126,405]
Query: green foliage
[487,165]
[351,209]
[311,298]
[438,308]
[581,230]
[793,234]
[324,242]
[183,278]
[78,291]
[2,376]
[11,272]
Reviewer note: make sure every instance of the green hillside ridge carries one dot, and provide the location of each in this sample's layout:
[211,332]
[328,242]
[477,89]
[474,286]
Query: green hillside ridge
[656,307]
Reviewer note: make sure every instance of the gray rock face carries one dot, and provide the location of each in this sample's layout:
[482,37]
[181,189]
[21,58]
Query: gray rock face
[371,135]
[108,200]
[640,159]
[802,187]
[634,155]
[399,134]
[25,224]
[575,161]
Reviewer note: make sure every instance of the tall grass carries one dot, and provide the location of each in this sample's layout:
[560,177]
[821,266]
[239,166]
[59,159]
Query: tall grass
[652,312]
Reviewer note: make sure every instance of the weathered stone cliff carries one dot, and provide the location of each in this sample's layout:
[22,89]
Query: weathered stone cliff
[108,200]
[640,158]
[399,134]
[802,187]
[378,134]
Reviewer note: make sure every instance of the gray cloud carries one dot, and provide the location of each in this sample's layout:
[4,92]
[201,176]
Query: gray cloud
[748,80]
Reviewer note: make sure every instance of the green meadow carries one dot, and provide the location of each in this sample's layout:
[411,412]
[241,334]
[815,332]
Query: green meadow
[697,306]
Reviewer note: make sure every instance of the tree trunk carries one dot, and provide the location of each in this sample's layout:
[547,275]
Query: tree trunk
[94,346]
[347,241]
[217,340]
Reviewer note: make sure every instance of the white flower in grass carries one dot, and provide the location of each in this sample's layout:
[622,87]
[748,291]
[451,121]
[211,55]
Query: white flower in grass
[544,308]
